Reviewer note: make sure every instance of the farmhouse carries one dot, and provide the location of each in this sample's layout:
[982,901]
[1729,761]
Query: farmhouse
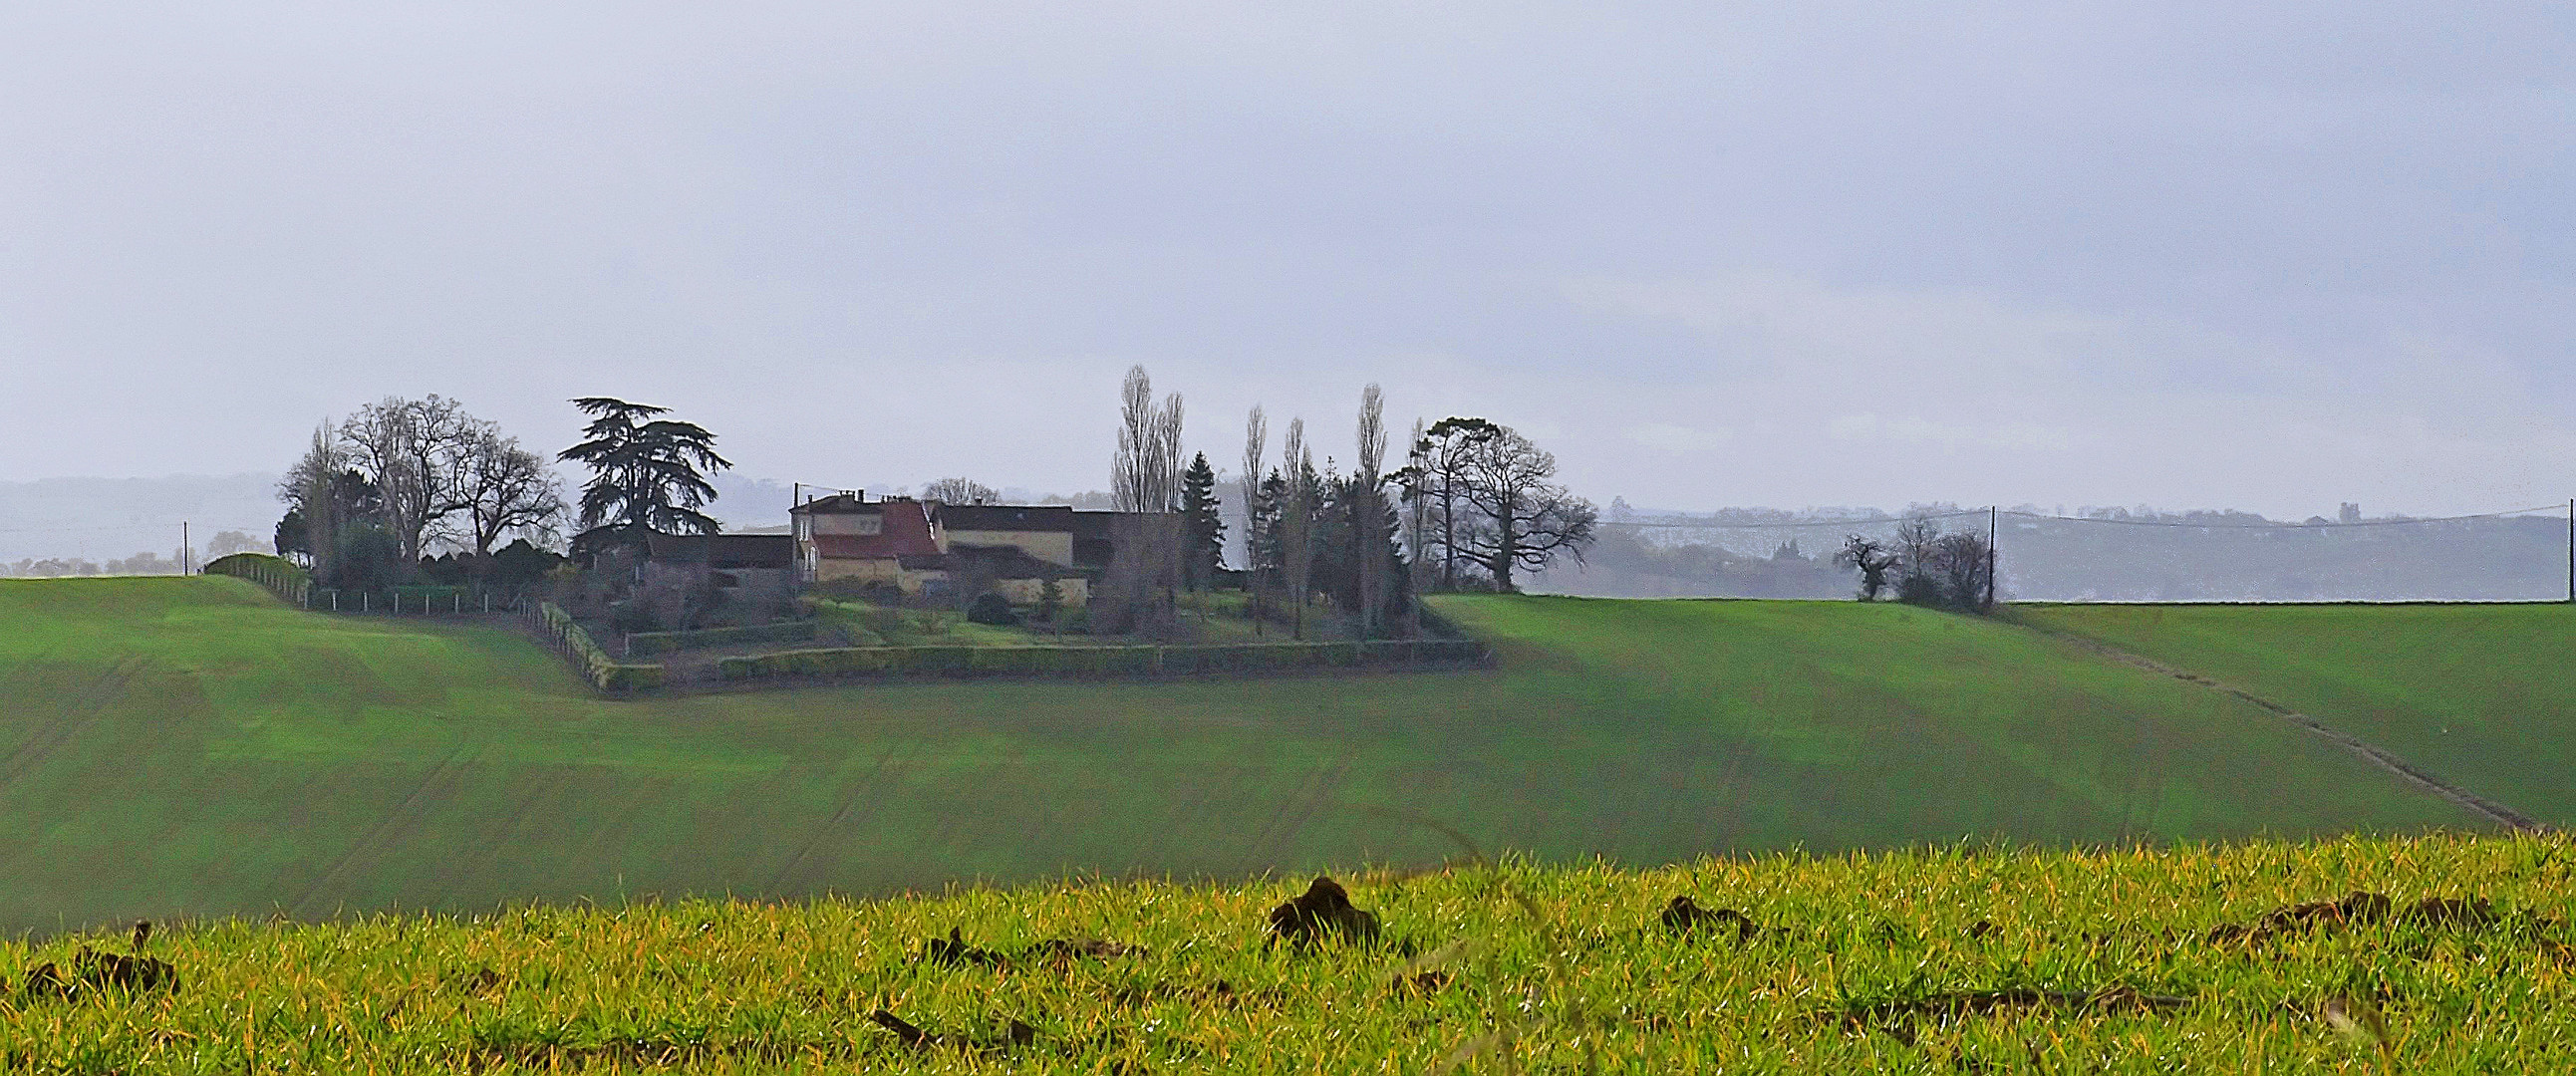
[925,547]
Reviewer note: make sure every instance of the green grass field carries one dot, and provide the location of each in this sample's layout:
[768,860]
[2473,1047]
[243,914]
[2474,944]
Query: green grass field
[189,746]
[2483,696]
[1940,961]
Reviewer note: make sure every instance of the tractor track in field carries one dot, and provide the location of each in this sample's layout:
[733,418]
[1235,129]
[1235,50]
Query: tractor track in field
[72,718]
[2471,802]
[404,816]
[851,800]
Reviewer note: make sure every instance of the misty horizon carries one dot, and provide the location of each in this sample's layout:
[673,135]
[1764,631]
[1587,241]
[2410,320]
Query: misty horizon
[2272,258]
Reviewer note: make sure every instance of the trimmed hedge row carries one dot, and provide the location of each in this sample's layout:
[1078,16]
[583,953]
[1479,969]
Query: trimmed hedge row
[649,643]
[281,576]
[604,672]
[1094,660]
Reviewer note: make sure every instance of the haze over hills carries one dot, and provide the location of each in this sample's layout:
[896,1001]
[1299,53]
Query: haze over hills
[2106,555]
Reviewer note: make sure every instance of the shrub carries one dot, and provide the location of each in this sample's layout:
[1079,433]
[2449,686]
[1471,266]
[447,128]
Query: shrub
[634,616]
[992,608]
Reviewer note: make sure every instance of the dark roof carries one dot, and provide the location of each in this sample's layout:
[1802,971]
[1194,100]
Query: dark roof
[1005,562]
[1093,524]
[724,551]
[1006,517]
[845,504]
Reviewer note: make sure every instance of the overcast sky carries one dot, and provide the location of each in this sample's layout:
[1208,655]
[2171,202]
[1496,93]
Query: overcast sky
[2183,254]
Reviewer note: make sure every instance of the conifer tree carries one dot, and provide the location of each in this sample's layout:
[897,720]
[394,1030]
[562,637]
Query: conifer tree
[1206,525]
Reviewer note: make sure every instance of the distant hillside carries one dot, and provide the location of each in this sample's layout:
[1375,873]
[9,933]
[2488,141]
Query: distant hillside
[2115,555]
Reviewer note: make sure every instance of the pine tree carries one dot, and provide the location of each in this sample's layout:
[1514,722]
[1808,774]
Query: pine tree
[1206,526]
[648,473]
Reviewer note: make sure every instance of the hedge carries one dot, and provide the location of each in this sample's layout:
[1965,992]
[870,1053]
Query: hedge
[603,672]
[647,644]
[1094,660]
[281,576]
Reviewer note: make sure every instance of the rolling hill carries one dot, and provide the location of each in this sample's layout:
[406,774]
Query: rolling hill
[189,746]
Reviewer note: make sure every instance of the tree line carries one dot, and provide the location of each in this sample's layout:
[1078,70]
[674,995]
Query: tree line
[1473,506]
[1924,566]
[375,493]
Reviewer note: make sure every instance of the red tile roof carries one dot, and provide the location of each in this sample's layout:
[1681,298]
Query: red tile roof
[906,533]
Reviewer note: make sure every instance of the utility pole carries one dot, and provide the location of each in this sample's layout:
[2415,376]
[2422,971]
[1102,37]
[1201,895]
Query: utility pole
[183,547]
[1990,557]
[2571,551]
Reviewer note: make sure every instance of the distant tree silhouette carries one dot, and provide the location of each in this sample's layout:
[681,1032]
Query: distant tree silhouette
[647,473]
[1872,558]
[1205,525]
[959,491]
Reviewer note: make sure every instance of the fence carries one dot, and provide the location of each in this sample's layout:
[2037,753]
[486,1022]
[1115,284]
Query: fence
[1092,661]
[295,586]
[593,663]
[282,577]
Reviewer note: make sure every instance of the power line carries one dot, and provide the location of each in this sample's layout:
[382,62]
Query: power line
[1864,521]
[2288,526]
[1870,520]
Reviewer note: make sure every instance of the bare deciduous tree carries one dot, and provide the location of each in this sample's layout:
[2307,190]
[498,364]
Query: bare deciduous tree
[959,491]
[1256,446]
[1872,558]
[1529,520]
[411,450]
[1367,516]
[1297,524]
[1437,479]
[506,488]
[308,489]
[1145,476]
[1961,565]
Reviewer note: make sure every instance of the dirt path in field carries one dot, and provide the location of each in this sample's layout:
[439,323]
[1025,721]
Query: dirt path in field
[2405,771]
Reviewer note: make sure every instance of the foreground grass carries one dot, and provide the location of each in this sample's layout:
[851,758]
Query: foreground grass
[189,747]
[2478,694]
[1553,968]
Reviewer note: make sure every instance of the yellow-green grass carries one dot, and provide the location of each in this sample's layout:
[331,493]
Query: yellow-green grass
[191,746]
[1560,969]
[2482,696]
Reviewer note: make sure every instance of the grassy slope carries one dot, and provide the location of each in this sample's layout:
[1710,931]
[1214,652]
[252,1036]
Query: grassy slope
[2478,694]
[189,746]
[1577,970]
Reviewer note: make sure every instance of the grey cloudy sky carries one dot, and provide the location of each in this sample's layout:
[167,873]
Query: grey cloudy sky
[2185,254]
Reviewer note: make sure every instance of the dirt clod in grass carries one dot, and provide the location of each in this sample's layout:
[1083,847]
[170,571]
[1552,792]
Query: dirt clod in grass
[1978,930]
[133,973]
[2465,913]
[1089,948]
[1323,912]
[94,971]
[1682,915]
[2358,908]
[1421,982]
[45,981]
[1015,1034]
[953,950]
[1897,1018]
